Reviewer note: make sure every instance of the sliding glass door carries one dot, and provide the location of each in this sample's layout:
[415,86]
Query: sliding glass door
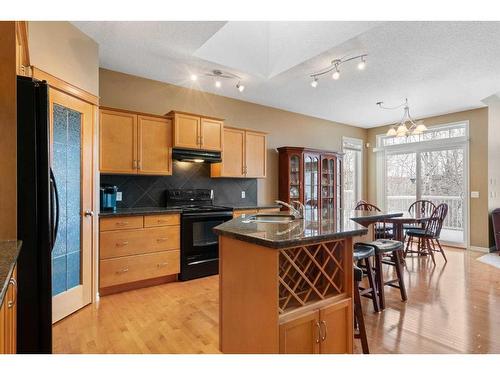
[437,174]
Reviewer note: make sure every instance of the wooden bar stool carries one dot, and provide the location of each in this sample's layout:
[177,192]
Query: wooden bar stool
[384,249]
[363,254]
[359,321]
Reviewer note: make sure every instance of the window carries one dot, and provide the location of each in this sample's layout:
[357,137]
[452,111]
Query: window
[352,169]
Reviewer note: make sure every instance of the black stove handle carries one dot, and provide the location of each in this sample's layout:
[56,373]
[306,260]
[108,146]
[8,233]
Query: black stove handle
[222,214]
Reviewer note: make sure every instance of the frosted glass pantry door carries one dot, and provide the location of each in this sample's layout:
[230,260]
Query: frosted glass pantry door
[71,163]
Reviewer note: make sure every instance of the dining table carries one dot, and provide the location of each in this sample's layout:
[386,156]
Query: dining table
[398,225]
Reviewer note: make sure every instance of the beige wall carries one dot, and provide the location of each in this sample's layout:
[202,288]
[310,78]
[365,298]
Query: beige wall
[62,50]
[478,166]
[286,128]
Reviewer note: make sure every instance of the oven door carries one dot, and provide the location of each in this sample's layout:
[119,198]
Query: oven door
[199,244]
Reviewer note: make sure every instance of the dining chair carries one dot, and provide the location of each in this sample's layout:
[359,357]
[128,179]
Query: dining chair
[381,228]
[430,234]
[423,208]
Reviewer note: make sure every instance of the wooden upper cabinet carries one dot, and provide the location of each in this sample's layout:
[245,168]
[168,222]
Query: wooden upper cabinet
[243,154]
[118,142]
[211,134]
[234,153]
[186,131]
[255,155]
[301,335]
[336,328]
[197,132]
[22,51]
[154,145]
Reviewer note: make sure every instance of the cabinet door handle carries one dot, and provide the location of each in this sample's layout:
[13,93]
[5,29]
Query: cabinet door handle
[318,326]
[163,264]
[139,164]
[134,164]
[163,239]
[122,244]
[13,282]
[323,336]
[122,270]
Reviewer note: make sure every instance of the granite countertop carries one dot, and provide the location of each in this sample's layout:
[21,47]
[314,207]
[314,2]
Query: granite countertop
[252,206]
[298,232]
[9,251]
[140,211]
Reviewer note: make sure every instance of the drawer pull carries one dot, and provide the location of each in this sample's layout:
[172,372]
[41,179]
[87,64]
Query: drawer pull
[163,264]
[11,304]
[122,271]
[122,244]
[121,223]
[161,221]
[163,239]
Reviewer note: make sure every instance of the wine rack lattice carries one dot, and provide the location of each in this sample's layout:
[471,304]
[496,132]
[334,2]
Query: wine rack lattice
[310,273]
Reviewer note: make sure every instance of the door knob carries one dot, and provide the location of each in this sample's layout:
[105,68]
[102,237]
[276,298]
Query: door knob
[89,213]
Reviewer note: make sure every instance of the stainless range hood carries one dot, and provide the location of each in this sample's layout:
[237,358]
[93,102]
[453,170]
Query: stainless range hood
[196,156]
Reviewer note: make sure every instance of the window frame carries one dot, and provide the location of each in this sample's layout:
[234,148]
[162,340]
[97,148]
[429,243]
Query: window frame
[354,144]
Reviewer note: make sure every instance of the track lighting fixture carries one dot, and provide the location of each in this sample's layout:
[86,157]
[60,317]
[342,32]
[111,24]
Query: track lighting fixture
[335,68]
[218,77]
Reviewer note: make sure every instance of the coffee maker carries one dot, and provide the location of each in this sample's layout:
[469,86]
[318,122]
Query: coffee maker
[108,197]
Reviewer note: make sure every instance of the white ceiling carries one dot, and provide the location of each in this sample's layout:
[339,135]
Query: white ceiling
[440,67]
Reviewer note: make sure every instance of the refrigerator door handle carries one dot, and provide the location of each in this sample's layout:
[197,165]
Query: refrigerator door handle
[54,223]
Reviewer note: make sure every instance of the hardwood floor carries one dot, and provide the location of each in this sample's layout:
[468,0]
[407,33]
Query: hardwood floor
[452,308]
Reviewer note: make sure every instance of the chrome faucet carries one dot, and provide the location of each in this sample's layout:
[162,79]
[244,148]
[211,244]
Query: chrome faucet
[297,213]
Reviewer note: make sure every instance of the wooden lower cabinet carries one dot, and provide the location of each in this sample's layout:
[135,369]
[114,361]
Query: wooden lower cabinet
[325,331]
[301,335]
[137,251]
[8,318]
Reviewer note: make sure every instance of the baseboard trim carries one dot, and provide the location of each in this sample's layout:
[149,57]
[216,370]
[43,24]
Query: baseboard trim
[481,249]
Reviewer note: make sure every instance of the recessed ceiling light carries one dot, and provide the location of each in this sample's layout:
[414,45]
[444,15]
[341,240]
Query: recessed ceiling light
[194,77]
[218,84]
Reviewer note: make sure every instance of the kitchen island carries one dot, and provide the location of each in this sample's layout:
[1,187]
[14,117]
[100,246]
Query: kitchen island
[287,287]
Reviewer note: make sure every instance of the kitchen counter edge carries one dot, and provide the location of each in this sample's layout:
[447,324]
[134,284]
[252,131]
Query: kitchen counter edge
[9,252]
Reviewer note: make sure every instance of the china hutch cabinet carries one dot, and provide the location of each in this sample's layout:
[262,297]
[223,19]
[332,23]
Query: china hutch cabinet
[312,177]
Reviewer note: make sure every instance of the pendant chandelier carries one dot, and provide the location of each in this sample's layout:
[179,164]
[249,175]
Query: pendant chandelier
[407,126]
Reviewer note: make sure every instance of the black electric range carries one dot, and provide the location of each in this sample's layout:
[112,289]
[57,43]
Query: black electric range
[199,244]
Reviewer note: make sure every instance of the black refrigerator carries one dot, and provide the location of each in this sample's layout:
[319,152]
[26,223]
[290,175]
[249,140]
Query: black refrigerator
[37,217]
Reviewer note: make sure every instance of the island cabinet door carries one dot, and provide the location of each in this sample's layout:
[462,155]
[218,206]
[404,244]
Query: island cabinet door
[301,335]
[336,328]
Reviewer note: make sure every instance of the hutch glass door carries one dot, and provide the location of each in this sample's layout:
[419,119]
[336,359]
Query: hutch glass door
[311,186]
[328,187]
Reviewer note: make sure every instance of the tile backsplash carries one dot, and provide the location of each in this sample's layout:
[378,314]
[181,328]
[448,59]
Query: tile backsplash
[149,191]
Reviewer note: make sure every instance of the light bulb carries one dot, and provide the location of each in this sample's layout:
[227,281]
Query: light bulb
[218,84]
[391,132]
[194,77]
[401,131]
[314,82]
[420,128]
[362,64]
[240,87]
[336,75]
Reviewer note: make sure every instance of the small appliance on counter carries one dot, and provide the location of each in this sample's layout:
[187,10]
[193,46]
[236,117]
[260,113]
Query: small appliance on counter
[108,198]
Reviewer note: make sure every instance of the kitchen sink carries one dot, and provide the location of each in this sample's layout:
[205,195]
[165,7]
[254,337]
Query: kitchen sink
[271,218]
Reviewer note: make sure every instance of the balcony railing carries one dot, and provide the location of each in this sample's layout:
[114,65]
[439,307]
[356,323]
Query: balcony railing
[454,219]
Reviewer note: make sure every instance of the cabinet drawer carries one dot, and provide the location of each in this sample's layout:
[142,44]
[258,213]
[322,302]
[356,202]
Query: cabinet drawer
[140,241]
[126,222]
[161,220]
[138,267]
